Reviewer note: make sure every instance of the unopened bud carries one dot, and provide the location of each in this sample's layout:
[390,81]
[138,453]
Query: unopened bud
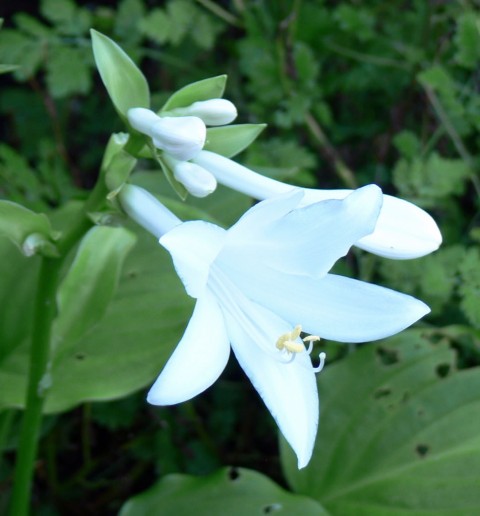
[212,112]
[198,181]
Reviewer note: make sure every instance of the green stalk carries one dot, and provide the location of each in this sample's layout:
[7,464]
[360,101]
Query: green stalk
[37,386]
[39,381]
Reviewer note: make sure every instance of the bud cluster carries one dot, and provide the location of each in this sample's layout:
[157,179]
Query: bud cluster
[181,133]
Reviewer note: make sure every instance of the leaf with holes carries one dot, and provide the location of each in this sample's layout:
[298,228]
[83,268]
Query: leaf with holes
[399,433]
[231,491]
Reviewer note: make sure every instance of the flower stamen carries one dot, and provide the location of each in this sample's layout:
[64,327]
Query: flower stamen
[311,339]
[322,356]
[287,341]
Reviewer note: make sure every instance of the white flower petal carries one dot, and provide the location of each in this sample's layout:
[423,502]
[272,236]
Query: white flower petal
[308,240]
[193,246]
[199,358]
[335,307]
[289,390]
[403,231]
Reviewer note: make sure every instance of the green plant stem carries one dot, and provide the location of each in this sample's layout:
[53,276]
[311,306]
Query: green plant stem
[40,355]
[37,385]
[222,13]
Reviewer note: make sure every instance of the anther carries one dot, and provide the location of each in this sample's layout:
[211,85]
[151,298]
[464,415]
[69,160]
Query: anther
[287,341]
[311,339]
[322,356]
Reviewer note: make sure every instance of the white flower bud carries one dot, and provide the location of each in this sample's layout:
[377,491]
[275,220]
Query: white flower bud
[198,181]
[212,112]
[142,119]
[183,138]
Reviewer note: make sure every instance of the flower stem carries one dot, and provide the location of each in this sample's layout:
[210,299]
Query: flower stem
[37,385]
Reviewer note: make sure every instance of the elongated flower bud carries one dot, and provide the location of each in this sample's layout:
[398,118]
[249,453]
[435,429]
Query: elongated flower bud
[212,112]
[147,210]
[181,137]
[198,181]
[403,230]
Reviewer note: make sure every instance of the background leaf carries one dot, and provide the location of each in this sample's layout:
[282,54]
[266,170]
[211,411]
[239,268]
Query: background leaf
[232,491]
[398,433]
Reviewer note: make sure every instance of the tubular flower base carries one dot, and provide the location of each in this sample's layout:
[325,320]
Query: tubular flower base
[403,230]
[262,282]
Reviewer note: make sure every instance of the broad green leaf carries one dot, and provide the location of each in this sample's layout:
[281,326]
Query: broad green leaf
[125,83]
[398,433]
[25,228]
[126,349]
[121,354]
[87,289]
[232,491]
[232,139]
[206,89]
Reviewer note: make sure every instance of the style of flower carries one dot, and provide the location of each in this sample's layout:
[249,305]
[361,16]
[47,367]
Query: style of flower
[262,283]
[403,230]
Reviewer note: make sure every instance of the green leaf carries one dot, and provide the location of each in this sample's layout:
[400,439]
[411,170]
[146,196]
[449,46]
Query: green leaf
[125,83]
[398,433]
[470,286]
[87,289]
[68,18]
[117,166]
[467,40]
[232,139]
[232,491]
[5,68]
[120,354]
[206,89]
[19,49]
[156,26]
[407,143]
[426,180]
[19,224]
[68,72]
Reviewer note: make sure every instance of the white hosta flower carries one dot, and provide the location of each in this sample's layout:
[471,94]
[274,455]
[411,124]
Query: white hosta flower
[258,285]
[180,137]
[212,112]
[403,230]
[198,181]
